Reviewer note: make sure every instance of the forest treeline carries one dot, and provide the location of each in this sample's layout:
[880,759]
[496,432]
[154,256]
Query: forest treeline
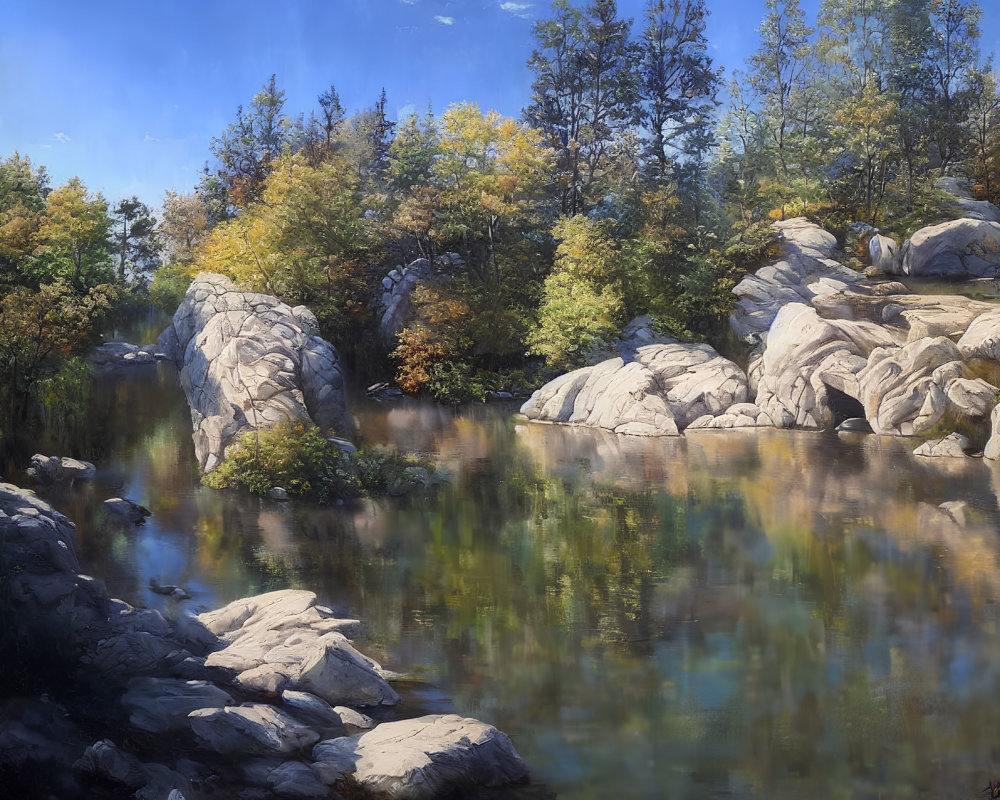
[637,180]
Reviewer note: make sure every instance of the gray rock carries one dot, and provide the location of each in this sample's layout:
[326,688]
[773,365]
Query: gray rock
[277,493]
[126,510]
[284,640]
[855,425]
[423,758]
[52,469]
[248,361]
[296,781]
[159,705]
[882,251]
[105,760]
[250,728]
[959,248]
[953,445]
[666,387]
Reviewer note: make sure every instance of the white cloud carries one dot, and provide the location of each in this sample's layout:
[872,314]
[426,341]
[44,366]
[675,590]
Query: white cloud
[148,138]
[62,138]
[409,2]
[406,111]
[517,9]
[444,20]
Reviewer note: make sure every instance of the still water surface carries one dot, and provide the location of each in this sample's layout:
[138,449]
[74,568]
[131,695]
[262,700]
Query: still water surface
[750,614]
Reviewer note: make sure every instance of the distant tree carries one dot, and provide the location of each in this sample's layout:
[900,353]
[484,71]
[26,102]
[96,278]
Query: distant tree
[584,92]
[780,68]
[184,224]
[331,116]
[677,84]
[135,239]
[248,147]
[954,50]
[984,122]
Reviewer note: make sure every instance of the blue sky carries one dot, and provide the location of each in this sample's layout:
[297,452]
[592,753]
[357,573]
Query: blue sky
[129,95]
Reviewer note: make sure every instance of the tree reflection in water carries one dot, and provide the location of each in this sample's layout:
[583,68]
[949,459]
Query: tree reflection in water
[751,614]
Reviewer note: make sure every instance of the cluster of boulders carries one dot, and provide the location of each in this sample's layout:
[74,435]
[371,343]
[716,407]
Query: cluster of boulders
[827,344]
[124,354]
[265,697]
[248,361]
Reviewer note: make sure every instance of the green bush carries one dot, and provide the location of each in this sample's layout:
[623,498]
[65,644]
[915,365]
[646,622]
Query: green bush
[299,459]
[168,287]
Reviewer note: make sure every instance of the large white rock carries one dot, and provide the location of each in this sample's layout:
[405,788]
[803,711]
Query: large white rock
[285,640]
[666,387]
[423,758]
[805,270]
[959,248]
[961,191]
[981,339]
[910,389]
[249,361]
[806,356]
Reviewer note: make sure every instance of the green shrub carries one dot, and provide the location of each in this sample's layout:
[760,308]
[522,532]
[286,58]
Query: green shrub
[168,287]
[299,459]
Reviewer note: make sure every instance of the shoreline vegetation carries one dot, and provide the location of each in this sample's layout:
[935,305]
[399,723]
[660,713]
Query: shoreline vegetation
[636,181]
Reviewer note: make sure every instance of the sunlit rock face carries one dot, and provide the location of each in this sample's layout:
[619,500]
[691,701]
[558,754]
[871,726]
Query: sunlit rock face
[662,390]
[806,269]
[249,361]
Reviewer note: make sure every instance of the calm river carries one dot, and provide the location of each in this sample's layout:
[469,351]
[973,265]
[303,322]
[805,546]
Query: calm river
[730,614]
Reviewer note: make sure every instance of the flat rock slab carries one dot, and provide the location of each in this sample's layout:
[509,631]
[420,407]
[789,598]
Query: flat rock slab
[285,640]
[423,758]
[250,728]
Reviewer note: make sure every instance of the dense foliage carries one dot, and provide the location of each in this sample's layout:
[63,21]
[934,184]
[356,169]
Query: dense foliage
[303,462]
[623,189]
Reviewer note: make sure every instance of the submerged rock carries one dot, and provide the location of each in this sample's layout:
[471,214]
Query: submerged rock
[126,510]
[423,758]
[249,361]
[953,445]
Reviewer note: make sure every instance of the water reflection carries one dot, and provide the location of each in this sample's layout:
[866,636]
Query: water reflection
[733,613]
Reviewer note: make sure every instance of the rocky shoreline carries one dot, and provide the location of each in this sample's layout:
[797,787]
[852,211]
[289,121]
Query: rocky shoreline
[264,697]
[826,344]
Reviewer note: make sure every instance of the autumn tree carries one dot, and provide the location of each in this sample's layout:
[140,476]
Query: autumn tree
[74,235]
[40,328]
[489,172]
[22,210]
